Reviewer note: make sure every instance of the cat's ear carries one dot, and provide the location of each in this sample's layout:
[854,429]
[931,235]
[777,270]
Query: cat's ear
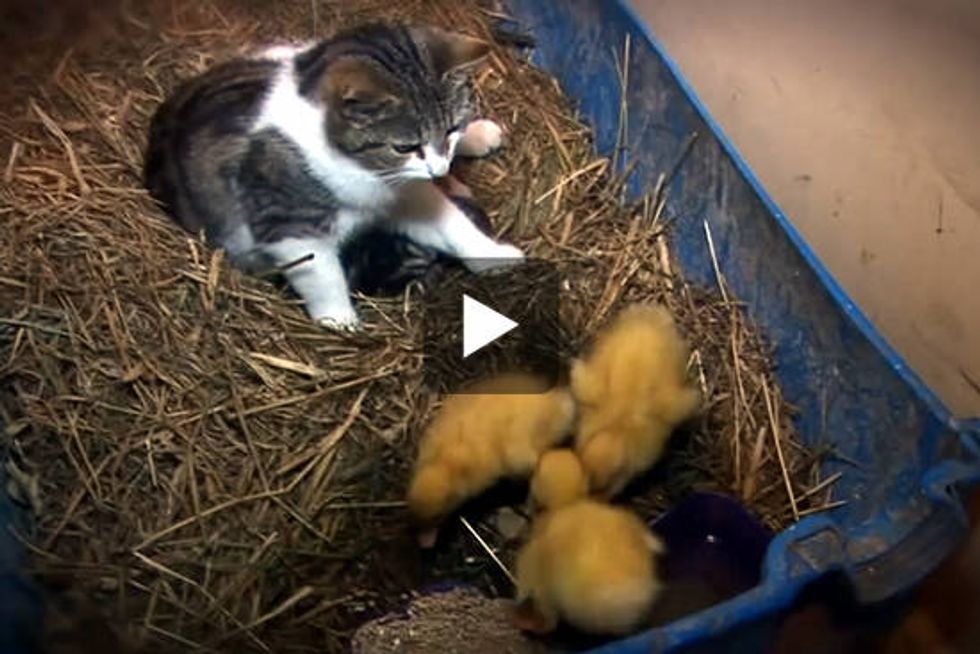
[451,52]
[358,90]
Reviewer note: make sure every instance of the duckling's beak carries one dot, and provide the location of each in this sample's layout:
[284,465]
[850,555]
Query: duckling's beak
[527,617]
[427,537]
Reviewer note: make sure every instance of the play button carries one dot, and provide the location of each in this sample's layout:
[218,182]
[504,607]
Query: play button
[482,325]
[504,320]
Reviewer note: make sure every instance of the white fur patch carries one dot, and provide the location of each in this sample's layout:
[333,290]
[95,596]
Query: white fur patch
[305,125]
[453,143]
[346,224]
[432,165]
[320,281]
[283,51]
[415,168]
[239,242]
[451,231]
[436,164]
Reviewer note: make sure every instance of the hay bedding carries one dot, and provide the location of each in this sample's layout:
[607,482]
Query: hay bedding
[207,467]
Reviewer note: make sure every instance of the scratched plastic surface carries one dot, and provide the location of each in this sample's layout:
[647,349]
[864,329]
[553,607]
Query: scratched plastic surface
[715,550]
[902,513]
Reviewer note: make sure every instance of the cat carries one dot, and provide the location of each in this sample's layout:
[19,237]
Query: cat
[378,261]
[299,150]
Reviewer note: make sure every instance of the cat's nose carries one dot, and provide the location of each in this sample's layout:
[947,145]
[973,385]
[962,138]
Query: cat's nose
[436,162]
[438,166]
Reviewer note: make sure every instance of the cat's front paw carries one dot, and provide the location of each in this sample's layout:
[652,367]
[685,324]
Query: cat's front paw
[340,321]
[502,256]
[481,138]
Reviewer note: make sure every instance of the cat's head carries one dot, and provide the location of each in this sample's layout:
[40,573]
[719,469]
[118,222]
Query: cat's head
[398,98]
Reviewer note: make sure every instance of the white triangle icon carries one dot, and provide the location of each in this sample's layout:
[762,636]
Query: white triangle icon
[482,325]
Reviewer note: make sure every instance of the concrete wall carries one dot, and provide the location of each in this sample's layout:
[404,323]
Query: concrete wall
[862,118]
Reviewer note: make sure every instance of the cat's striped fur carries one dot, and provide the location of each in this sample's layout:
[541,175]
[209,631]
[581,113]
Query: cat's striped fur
[307,150]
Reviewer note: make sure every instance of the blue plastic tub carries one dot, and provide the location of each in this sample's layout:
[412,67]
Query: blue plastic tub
[903,512]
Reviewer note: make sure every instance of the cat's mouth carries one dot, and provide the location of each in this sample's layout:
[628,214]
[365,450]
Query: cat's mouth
[415,176]
[401,177]
[439,169]
[428,164]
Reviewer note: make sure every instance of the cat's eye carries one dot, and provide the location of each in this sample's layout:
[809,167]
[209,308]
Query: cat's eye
[406,148]
[454,129]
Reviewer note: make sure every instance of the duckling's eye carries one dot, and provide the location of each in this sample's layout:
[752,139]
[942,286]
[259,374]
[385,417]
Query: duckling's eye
[406,148]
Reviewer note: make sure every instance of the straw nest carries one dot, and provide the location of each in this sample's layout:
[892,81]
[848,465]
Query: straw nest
[212,470]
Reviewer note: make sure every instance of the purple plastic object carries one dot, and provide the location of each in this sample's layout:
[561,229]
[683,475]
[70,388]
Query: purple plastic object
[715,549]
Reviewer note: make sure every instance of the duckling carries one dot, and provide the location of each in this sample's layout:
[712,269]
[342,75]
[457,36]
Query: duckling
[479,438]
[632,391]
[559,480]
[587,563]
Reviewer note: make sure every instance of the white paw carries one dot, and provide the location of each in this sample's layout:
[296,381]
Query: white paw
[346,321]
[507,251]
[502,256]
[480,138]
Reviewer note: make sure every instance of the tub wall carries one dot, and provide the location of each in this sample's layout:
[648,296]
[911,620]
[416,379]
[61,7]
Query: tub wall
[860,119]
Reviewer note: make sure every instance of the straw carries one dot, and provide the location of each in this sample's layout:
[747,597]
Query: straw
[489,550]
[234,473]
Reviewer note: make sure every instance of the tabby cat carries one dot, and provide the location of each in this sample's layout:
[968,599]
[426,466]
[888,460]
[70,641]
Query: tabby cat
[303,150]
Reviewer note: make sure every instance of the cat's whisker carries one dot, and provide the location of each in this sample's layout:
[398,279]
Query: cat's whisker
[397,175]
